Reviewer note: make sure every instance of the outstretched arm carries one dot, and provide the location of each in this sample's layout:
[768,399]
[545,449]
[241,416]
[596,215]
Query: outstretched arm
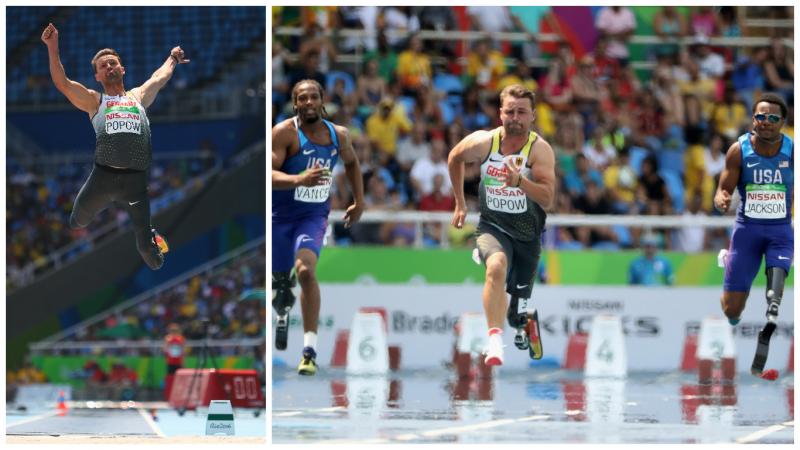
[79,95]
[148,91]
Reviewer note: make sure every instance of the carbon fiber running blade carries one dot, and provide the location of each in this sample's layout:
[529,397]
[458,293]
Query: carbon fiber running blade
[762,350]
[282,333]
[535,350]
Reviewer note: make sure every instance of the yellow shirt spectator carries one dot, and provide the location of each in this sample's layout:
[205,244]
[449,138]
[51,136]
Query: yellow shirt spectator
[413,66]
[385,125]
[729,118]
[486,67]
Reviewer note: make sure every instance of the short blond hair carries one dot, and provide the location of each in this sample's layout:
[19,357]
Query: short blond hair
[104,52]
[518,91]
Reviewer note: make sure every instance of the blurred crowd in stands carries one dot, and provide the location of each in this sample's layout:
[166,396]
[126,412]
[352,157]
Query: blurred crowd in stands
[218,298]
[646,139]
[39,203]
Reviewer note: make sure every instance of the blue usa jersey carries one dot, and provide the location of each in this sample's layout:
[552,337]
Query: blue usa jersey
[291,204]
[766,185]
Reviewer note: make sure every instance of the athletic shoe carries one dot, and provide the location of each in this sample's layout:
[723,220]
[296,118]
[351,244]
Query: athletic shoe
[308,365]
[160,242]
[494,352]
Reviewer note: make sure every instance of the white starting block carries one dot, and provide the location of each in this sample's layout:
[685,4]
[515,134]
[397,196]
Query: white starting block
[220,418]
[367,348]
[605,351]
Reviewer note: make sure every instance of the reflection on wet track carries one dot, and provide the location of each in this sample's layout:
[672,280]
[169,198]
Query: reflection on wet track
[534,406]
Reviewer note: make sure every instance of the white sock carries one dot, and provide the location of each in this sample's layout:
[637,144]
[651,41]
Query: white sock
[310,339]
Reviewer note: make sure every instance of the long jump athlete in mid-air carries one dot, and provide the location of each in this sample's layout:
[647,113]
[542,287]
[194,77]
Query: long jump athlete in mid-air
[123,149]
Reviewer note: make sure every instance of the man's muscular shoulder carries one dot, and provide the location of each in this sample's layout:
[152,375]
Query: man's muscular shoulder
[284,134]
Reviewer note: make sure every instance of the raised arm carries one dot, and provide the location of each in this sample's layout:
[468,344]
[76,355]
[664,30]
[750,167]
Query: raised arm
[79,95]
[728,178]
[147,92]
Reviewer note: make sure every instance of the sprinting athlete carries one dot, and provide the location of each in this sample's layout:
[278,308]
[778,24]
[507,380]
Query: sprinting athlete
[123,150]
[760,166]
[517,185]
[304,150]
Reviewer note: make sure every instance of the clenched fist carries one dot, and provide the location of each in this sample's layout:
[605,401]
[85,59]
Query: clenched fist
[50,35]
[177,53]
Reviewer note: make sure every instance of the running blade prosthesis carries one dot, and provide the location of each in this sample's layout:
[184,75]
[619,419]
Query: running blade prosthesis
[762,350]
[528,337]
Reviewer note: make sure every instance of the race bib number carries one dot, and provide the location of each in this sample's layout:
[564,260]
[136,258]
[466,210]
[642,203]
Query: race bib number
[315,194]
[765,201]
[510,200]
[123,117]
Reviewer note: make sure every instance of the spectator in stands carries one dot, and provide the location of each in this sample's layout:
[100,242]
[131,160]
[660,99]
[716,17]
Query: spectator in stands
[731,25]
[652,191]
[617,23]
[575,181]
[280,80]
[438,18]
[359,18]
[413,67]
[666,91]
[386,57]
[779,69]
[711,64]
[122,382]
[439,199]
[426,107]
[650,124]
[730,116]
[384,127]
[309,69]
[703,21]
[606,68]
[475,111]
[398,21]
[587,93]
[371,88]
[669,25]
[425,169]
[556,88]
[521,75]
[748,75]
[592,201]
[692,239]
[485,66]
[650,269]
[620,182]
[701,87]
[29,374]
[530,19]
[414,147]
[96,379]
[599,151]
[490,19]
[314,39]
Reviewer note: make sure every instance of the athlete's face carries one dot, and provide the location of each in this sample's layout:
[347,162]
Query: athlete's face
[308,103]
[766,128]
[517,115]
[109,69]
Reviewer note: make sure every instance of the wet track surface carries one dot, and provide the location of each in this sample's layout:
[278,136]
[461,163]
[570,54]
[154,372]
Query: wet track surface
[533,406]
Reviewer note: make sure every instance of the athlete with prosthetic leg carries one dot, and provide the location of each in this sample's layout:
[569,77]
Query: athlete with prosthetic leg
[760,166]
[517,185]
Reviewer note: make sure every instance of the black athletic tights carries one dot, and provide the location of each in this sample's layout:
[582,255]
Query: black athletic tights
[128,189]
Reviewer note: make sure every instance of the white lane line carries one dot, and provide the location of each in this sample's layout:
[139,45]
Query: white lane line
[467,428]
[33,419]
[307,411]
[763,433]
[152,423]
